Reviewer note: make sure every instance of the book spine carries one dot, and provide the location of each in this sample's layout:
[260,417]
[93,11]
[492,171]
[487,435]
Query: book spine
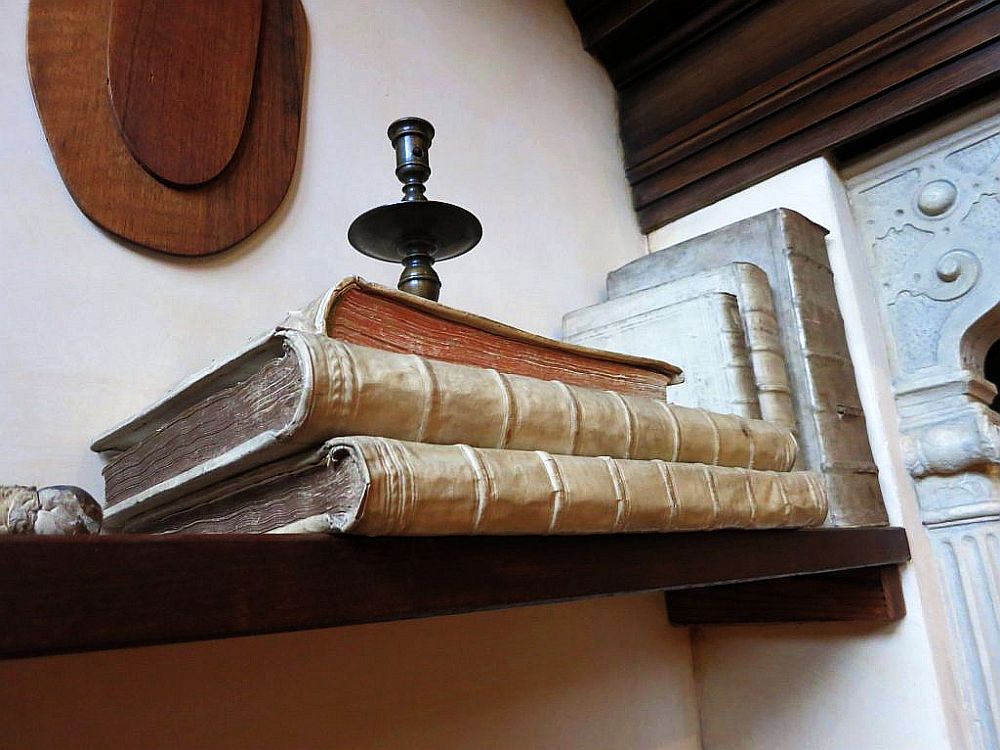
[356,390]
[421,489]
[763,337]
[736,362]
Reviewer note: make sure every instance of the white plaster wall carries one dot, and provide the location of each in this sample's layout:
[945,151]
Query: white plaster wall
[832,686]
[92,329]
[590,675]
[526,139]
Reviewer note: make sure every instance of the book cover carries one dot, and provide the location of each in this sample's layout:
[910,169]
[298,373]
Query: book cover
[379,486]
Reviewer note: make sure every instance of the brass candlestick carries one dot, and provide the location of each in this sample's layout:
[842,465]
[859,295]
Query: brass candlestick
[415,232]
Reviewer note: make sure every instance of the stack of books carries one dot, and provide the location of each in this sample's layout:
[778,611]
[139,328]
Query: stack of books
[375,412]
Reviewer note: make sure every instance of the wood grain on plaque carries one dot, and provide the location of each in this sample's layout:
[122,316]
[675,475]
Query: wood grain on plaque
[67,60]
[179,76]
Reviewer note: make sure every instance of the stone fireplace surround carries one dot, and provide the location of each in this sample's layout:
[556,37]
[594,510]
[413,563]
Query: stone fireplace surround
[930,222]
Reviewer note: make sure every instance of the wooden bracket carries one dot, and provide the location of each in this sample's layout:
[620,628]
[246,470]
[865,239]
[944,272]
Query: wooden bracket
[861,595]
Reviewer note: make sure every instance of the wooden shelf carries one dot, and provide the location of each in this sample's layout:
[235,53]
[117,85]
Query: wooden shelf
[63,594]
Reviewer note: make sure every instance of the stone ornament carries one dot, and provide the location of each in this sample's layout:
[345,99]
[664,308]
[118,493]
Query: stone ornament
[931,223]
[930,220]
[936,197]
[60,509]
[955,273]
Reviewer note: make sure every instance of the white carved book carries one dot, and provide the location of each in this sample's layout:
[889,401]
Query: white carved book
[720,325]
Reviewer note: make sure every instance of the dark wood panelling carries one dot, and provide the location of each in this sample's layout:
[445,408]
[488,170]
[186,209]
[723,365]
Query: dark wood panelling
[865,118]
[713,99]
[77,593]
[867,594]
[631,36]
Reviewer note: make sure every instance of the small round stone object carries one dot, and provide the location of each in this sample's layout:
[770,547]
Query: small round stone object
[948,269]
[936,197]
[59,509]
[955,273]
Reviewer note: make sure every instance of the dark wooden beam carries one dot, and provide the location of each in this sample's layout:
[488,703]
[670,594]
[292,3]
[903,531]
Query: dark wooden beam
[717,96]
[75,593]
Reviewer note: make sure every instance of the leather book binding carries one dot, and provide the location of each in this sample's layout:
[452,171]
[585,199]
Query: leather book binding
[379,486]
[292,390]
[360,312]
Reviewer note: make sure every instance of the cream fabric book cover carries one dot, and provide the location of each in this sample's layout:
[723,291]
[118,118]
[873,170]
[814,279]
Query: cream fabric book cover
[293,390]
[379,486]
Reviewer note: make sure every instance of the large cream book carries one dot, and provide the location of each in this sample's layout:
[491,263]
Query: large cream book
[378,486]
[292,390]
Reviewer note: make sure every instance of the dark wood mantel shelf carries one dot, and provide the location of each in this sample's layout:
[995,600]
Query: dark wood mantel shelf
[65,594]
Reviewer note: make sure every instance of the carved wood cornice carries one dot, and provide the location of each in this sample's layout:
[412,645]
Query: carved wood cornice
[715,96]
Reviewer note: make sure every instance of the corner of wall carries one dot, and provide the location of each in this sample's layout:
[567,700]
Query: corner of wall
[745,673]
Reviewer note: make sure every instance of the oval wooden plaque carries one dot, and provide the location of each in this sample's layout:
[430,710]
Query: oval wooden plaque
[180,74]
[67,61]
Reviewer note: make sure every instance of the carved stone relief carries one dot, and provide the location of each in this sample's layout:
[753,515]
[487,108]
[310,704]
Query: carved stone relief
[967,558]
[806,331]
[931,224]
